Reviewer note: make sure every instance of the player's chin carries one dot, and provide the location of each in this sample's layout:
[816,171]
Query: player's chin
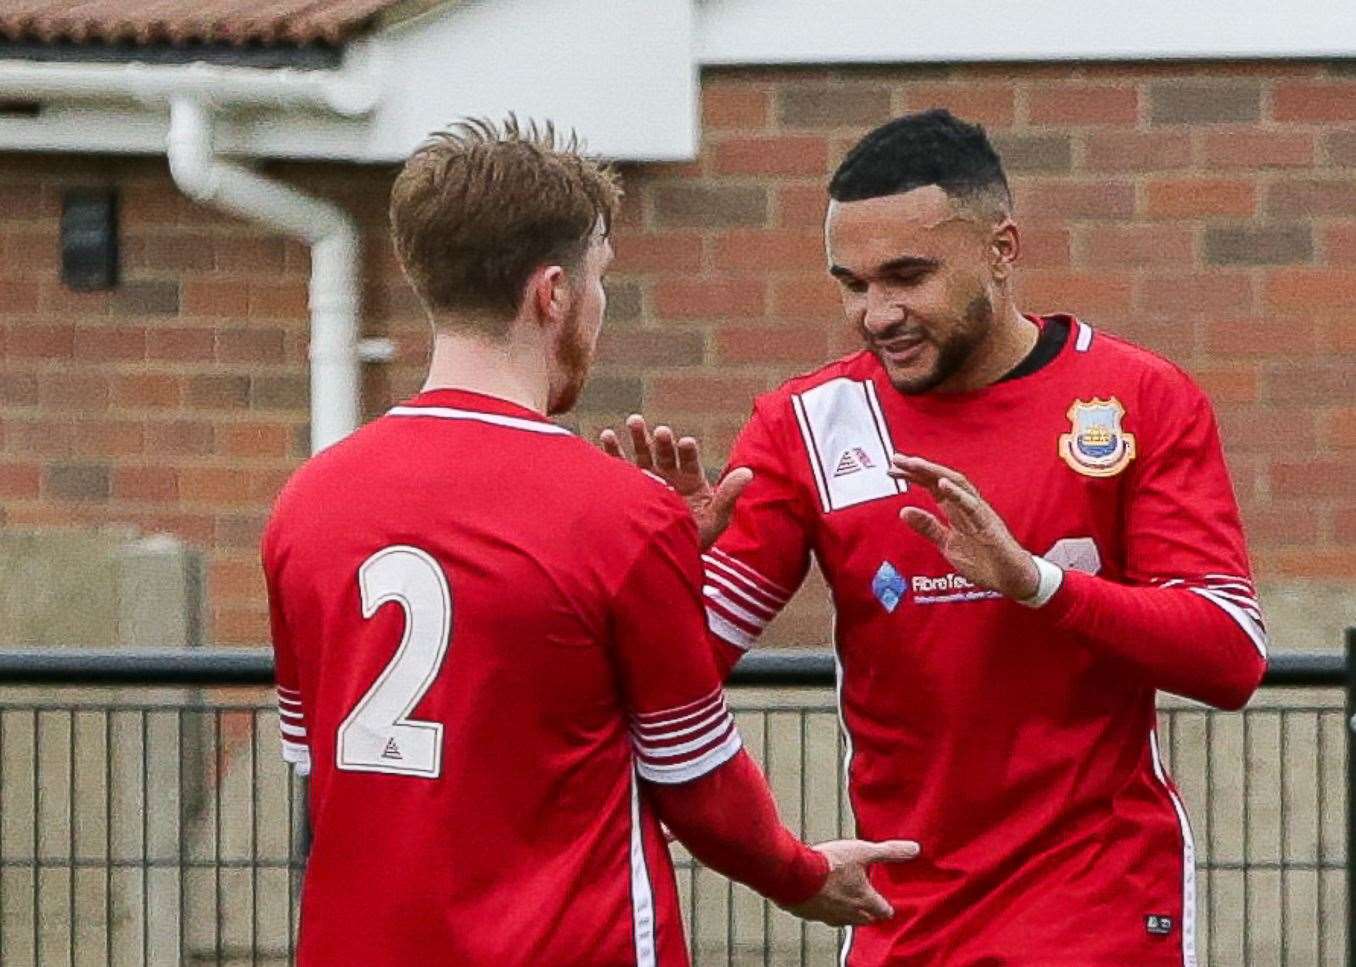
[913,377]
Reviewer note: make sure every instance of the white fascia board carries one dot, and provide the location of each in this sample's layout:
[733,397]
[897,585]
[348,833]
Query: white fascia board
[621,74]
[733,32]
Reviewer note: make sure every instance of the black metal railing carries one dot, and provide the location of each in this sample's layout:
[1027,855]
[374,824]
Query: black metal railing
[146,818]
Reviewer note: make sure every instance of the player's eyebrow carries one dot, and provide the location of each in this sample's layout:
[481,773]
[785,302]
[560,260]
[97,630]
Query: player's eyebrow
[904,262]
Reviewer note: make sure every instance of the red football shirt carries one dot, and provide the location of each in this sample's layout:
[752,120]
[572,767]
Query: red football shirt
[1017,745]
[485,629]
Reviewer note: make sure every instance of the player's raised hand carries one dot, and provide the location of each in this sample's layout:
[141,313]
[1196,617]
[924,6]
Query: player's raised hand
[679,463]
[848,898]
[971,536]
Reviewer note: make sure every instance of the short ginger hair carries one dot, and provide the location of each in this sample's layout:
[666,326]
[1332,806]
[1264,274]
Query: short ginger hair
[480,206]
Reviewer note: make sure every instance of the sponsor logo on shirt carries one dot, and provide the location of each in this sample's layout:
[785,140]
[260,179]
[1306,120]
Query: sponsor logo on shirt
[1096,446]
[1157,923]
[853,460]
[948,589]
[888,586]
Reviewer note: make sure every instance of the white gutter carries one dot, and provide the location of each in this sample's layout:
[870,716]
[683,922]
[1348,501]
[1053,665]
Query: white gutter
[191,92]
[334,258]
[326,91]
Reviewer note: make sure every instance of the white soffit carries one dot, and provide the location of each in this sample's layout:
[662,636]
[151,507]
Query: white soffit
[732,32]
[622,74]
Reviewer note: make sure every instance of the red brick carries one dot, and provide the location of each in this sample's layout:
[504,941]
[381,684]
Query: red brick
[157,203]
[254,439]
[806,345]
[178,252]
[734,106]
[25,341]
[233,579]
[1310,288]
[250,345]
[772,156]
[773,251]
[1322,198]
[1137,245]
[1239,383]
[18,298]
[28,202]
[1083,104]
[810,299]
[697,393]
[991,105]
[281,300]
[18,389]
[235,254]
[1219,292]
[1312,478]
[658,252]
[802,206]
[1314,102]
[1054,198]
[149,390]
[1252,148]
[1260,337]
[1344,526]
[651,347]
[1102,293]
[110,343]
[148,484]
[219,486]
[236,626]
[736,297]
[1201,198]
[1337,331]
[265,484]
[1046,247]
[239,530]
[56,299]
[179,437]
[38,251]
[19,481]
[216,299]
[1267,429]
[1111,150]
[1311,382]
[181,345]
[45,436]
[108,438]
[1176,337]
[1339,243]
[77,391]
[1282,526]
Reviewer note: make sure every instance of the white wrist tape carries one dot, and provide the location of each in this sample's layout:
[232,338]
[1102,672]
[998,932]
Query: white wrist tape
[1051,577]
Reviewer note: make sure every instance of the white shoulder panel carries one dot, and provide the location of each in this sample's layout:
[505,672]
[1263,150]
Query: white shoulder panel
[847,442]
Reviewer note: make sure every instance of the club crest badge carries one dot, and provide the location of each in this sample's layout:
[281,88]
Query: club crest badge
[1096,445]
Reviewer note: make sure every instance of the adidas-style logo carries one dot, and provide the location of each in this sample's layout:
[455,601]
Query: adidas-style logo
[392,751]
[853,460]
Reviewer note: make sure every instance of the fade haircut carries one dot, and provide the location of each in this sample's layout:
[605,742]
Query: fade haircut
[929,148]
[480,206]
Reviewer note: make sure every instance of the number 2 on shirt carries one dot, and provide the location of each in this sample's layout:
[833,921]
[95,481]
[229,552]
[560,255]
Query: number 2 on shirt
[379,735]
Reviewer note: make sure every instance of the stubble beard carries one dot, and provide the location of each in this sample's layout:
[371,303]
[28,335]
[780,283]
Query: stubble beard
[574,357]
[953,352]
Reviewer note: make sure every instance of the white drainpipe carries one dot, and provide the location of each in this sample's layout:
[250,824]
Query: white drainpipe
[334,258]
[191,91]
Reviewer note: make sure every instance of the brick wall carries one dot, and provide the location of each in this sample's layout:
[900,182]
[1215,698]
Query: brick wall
[1207,211]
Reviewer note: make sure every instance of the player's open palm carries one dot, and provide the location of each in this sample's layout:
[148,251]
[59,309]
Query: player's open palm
[848,898]
[678,462]
[970,535]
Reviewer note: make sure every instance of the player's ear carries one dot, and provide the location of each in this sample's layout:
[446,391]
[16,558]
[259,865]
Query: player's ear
[548,292]
[1005,246]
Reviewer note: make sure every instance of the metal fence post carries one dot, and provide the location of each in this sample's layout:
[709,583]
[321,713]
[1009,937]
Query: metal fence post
[1351,796]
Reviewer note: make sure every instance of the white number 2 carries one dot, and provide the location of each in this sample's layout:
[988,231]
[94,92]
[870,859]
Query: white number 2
[379,735]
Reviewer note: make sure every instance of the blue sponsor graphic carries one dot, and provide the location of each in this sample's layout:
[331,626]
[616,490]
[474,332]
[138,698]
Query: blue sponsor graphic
[889,587]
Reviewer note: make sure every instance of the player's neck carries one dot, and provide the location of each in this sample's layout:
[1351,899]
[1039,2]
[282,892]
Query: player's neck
[1012,337]
[503,369]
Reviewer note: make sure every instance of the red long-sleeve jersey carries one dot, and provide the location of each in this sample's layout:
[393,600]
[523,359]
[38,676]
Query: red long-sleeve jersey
[492,657]
[1017,745]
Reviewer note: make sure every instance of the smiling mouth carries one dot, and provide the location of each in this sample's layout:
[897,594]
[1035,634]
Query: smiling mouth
[899,350]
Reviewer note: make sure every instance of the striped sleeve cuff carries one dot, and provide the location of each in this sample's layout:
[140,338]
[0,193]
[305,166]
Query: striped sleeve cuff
[739,600]
[1236,597]
[292,728]
[681,744]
